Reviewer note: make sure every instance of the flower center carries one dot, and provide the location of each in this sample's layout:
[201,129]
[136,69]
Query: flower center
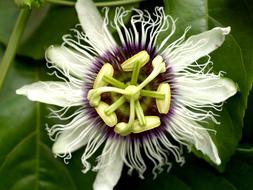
[131,92]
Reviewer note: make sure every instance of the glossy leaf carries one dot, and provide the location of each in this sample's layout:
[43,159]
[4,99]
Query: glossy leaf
[8,16]
[26,158]
[237,62]
[45,27]
[240,17]
[203,15]
[197,175]
[248,120]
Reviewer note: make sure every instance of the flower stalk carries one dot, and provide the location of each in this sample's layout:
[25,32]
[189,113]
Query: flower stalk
[13,43]
[98,4]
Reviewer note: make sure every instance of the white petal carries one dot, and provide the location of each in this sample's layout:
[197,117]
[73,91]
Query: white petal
[75,136]
[188,131]
[197,46]
[207,147]
[207,91]
[56,93]
[67,60]
[93,26]
[108,176]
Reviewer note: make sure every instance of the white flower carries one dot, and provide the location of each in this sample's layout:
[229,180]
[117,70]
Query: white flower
[135,97]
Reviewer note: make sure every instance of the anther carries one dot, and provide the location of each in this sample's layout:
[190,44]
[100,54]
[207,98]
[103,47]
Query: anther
[142,57]
[151,123]
[94,99]
[123,129]
[163,105]
[130,92]
[106,70]
[158,62]
[158,67]
[110,120]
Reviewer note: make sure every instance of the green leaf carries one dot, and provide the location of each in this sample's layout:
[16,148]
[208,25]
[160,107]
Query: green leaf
[189,13]
[197,175]
[45,27]
[26,158]
[8,16]
[236,59]
[47,30]
[233,58]
[248,122]
[240,17]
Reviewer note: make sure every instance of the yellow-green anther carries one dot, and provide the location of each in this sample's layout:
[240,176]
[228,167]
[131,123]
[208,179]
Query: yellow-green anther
[158,62]
[113,81]
[142,57]
[163,67]
[152,94]
[110,120]
[115,105]
[106,70]
[163,105]
[122,128]
[93,97]
[139,113]
[130,92]
[151,123]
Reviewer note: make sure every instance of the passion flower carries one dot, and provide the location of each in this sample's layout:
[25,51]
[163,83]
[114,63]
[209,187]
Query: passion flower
[138,98]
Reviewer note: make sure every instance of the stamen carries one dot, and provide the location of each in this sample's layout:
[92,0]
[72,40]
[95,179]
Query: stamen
[142,57]
[133,92]
[115,105]
[158,67]
[106,70]
[114,82]
[130,92]
[157,60]
[110,120]
[163,105]
[122,128]
[135,73]
[152,94]
[125,128]
[151,123]
[94,94]
[132,112]
[140,114]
